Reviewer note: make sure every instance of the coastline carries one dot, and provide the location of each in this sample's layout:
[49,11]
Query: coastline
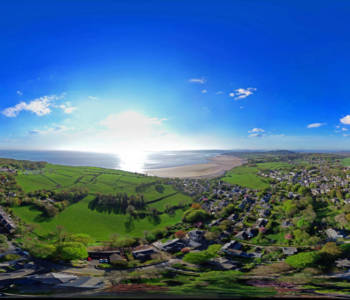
[217,166]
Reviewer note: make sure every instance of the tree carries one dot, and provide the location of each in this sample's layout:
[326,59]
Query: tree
[303,260]
[331,249]
[341,220]
[195,215]
[301,237]
[180,234]
[196,206]
[198,257]
[41,250]
[289,208]
[202,256]
[72,250]
[117,261]
[80,238]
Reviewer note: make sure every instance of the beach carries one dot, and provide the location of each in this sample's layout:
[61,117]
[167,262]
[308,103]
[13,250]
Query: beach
[217,166]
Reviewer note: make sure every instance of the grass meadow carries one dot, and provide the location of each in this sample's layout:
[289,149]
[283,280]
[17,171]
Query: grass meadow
[247,175]
[78,218]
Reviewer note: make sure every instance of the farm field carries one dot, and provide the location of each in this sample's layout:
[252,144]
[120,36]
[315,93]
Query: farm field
[346,162]
[247,176]
[78,218]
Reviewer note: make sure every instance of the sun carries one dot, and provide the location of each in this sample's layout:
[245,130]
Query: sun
[132,160]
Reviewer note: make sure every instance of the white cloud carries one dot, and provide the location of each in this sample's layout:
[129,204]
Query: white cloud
[204,91]
[51,130]
[67,108]
[345,120]
[315,125]
[93,98]
[344,129]
[19,93]
[242,93]
[219,92]
[40,106]
[197,80]
[256,132]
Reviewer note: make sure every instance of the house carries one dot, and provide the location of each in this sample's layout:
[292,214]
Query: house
[255,254]
[6,222]
[239,253]
[251,232]
[171,246]
[116,258]
[289,250]
[63,280]
[333,234]
[232,217]
[223,263]
[231,245]
[343,263]
[241,235]
[102,254]
[264,213]
[52,278]
[143,254]
[215,222]
[85,282]
[286,224]
[196,235]
[261,222]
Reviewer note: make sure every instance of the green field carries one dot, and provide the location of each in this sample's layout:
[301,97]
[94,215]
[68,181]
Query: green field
[247,176]
[78,218]
[346,162]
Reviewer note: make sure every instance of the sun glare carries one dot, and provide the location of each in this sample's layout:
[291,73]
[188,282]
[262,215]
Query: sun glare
[132,160]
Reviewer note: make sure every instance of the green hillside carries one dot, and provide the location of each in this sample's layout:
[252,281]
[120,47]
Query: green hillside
[78,218]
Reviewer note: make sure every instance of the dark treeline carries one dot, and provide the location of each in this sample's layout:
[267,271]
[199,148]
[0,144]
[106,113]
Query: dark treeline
[144,186]
[22,164]
[120,203]
[72,195]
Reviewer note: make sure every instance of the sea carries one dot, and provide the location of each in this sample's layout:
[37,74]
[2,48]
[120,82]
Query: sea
[136,163]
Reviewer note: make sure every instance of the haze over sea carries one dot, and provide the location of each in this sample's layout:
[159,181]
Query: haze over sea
[133,163]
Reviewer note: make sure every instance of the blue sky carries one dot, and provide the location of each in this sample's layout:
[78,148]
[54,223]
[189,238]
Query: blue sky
[161,75]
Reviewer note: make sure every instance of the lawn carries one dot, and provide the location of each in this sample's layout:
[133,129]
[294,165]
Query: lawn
[346,162]
[78,218]
[97,180]
[247,175]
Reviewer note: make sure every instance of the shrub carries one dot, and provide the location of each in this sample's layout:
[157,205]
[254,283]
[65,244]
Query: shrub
[197,257]
[42,250]
[117,261]
[331,249]
[9,257]
[180,234]
[274,268]
[303,259]
[104,266]
[81,238]
[72,251]
[202,256]
[196,206]
[195,215]
[229,209]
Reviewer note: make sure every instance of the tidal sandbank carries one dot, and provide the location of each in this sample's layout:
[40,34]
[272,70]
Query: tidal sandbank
[217,166]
